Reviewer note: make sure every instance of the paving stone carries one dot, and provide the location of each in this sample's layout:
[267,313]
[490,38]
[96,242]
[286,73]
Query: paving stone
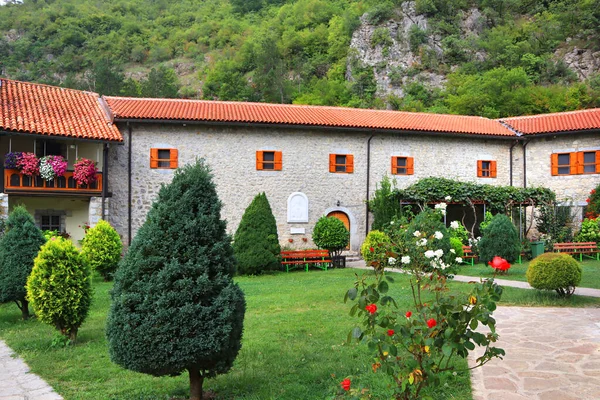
[499,384]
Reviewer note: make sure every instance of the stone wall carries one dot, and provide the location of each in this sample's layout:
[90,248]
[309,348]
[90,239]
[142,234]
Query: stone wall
[231,153]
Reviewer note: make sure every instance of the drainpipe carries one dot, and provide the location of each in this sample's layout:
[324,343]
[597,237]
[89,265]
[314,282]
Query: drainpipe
[368,183]
[104,178]
[130,134]
[512,146]
[525,143]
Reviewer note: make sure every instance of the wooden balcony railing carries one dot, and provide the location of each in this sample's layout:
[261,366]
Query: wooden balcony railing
[14,182]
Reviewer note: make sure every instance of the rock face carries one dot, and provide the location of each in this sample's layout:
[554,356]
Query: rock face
[584,62]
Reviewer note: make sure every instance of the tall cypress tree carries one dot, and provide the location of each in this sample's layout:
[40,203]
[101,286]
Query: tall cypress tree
[18,248]
[256,243]
[175,306]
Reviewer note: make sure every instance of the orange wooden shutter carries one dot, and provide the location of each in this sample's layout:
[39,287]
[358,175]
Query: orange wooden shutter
[573,157]
[174,157]
[493,169]
[349,163]
[479,168]
[579,161]
[259,160]
[598,162]
[332,163]
[394,165]
[278,161]
[554,164]
[410,166]
[153,158]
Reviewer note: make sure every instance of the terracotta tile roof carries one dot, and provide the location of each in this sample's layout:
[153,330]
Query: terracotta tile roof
[222,111]
[54,111]
[557,122]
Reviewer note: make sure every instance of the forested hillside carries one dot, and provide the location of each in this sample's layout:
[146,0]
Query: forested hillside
[481,57]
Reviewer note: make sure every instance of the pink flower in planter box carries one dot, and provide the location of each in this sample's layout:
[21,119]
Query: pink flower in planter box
[85,171]
[29,164]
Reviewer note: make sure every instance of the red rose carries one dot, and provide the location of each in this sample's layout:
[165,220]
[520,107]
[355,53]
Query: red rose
[593,191]
[431,323]
[391,332]
[408,314]
[346,384]
[372,249]
[587,200]
[371,308]
[499,263]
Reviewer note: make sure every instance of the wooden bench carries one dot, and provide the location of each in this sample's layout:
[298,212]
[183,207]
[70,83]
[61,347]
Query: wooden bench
[295,258]
[588,249]
[468,256]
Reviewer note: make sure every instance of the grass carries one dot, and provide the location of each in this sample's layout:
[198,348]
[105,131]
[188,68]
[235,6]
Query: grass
[590,278]
[293,346]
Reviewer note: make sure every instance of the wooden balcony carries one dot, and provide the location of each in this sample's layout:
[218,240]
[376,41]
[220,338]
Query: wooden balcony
[16,182]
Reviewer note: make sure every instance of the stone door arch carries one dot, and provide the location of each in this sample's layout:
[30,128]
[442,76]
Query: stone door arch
[342,216]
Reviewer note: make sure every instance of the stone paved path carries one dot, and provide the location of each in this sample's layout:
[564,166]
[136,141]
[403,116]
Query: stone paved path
[17,383]
[551,354]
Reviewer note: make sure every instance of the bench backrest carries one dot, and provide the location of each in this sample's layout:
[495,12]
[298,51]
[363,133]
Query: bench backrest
[467,250]
[577,245]
[304,253]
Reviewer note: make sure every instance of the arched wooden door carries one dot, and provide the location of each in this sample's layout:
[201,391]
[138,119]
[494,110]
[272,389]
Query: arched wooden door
[342,216]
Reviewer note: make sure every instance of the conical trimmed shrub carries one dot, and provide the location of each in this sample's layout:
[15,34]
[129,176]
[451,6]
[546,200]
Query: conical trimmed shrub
[60,286]
[174,305]
[256,243]
[18,248]
[102,247]
[500,238]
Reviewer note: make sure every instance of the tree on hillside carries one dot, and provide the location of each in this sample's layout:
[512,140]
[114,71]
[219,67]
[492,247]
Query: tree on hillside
[256,243]
[161,82]
[175,306]
[18,248]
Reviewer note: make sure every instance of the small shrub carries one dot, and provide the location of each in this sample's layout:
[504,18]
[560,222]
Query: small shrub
[380,13]
[486,221]
[459,231]
[60,286]
[592,210]
[331,234]
[377,241]
[256,243]
[416,37]
[590,231]
[18,248]
[381,37]
[554,271]
[102,247]
[500,238]
[457,245]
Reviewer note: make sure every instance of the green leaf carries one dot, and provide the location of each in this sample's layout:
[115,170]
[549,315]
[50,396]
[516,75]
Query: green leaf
[470,345]
[356,332]
[352,293]
[383,287]
[447,349]
[389,279]
[473,324]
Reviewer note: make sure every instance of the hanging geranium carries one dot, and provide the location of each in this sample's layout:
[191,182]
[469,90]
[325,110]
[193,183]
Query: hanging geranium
[11,159]
[29,164]
[85,171]
[52,167]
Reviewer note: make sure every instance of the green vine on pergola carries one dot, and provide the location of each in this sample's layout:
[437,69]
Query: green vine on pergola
[497,198]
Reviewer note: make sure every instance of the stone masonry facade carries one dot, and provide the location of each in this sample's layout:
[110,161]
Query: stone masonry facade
[230,151]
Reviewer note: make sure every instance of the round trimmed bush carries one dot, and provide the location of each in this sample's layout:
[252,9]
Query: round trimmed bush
[60,286]
[554,271]
[102,247]
[330,233]
[376,240]
[500,238]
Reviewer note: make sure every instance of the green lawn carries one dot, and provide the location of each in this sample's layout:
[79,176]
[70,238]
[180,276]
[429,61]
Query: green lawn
[590,277]
[293,346]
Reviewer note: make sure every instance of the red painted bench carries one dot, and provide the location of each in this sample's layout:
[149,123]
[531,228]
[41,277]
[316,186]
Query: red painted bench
[588,249]
[291,259]
[468,255]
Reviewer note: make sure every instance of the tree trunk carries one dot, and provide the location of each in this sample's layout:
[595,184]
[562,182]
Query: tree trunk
[24,307]
[196,381]
[73,335]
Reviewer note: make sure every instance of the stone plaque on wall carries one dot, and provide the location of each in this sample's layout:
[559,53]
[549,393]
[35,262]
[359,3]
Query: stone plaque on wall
[297,208]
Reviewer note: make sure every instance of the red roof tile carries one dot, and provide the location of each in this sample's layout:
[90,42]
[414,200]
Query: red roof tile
[50,110]
[557,122]
[222,111]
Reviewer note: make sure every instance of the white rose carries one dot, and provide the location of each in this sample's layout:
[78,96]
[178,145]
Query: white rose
[417,234]
[454,224]
[447,198]
[439,253]
[429,254]
[452,251]
[422,242]
[405,260]
[438,235]
[391,261]
[459,260]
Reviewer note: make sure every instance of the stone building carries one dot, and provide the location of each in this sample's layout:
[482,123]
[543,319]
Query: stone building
[310,161]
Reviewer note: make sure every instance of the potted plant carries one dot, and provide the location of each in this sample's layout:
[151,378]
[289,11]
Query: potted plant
[85,171]
[11,160]
[52,167]
[29,164]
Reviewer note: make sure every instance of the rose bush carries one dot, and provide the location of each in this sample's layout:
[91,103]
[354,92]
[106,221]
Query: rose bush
[416,346]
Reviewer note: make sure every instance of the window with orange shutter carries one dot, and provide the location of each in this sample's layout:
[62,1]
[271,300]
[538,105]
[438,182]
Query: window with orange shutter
[486,169]
[267,160]
[589,162]
[341,163]
[164,158]
[563,163]
[403,165]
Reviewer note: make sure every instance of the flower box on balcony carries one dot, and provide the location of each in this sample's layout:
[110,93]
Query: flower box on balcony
[15,181]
